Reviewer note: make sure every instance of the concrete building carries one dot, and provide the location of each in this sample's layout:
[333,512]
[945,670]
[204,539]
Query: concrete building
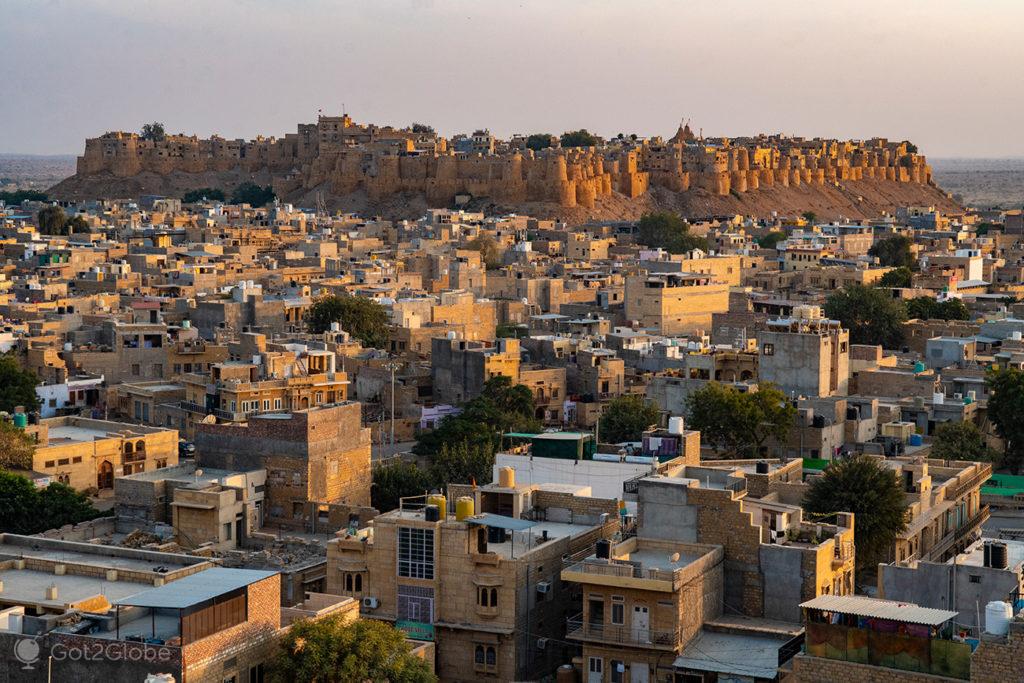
[806,354]
[675,303]
[459,367]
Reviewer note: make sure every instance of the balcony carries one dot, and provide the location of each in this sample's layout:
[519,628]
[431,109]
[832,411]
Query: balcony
[578,629]
[971,482]
[956,537]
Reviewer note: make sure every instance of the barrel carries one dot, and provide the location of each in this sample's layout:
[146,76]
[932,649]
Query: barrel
[507,478]
[997,617]
[441,502]
[464,508]
[20,420]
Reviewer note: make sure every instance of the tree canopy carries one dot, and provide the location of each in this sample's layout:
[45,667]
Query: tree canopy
[578,138]
[901,277]
[153,131]
[16,448]
[668,231]
[865,487]
[960,441]
[538,141]
[771,240]
[17,385]
[25,509]
[363,318]
[928,308]
[328,650]
[19,196]
[422,129]
[253,195]
[1005,408]
[490,252]
[52,220]
[740,423]
[809,216]
[209,193]
[870,314]
[626,418]
[895,251]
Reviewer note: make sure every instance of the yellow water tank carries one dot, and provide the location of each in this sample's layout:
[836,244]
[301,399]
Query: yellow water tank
[464,508]
[507,478]
[441,502]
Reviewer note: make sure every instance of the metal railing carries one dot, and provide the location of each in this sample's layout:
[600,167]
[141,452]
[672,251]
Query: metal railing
[578,629]
[627,570]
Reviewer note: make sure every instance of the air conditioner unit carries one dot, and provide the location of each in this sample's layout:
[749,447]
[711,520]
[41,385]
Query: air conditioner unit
[371,602]
[542,643]
[543,586]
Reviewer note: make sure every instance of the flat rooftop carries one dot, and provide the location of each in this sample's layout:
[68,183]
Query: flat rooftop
[733,654]
[974,556]
[28,586]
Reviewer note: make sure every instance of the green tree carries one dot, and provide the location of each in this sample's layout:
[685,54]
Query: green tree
[18,500]
[490,252]
[253,195]
[894,252]
[17,385]
[24,509]
[209,193]
[153,131]
[16,448]
[60,504]
[328,650]
[740,423]
[422,129]
[870,314]
[960,441]
[578,138]
[809,216]
[19,196]
[510,331]
[668,231]
[363,318]
[395,481]
[626,418]
[898,277]
[1005,407]
[462,463]
[77,224]
[872,492]
[538,141]
[771,240]
[928,308]
[52,221]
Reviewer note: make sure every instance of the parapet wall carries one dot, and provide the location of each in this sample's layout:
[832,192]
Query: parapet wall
[384,162]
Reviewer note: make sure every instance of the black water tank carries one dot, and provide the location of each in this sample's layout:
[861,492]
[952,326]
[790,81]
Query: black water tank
[987,554]
[761,467]
[819,422]
[432,513]
[495,534]
[604,549]
[1000,557]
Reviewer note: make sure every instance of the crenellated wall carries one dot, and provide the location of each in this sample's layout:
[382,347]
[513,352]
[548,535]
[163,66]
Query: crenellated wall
[383,162]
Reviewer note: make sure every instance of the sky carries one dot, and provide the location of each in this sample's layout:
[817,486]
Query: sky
[945,74]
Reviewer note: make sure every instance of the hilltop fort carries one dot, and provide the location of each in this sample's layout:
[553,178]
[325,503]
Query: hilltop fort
[369,167]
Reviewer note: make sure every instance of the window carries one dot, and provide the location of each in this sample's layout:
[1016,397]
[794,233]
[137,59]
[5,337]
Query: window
[618,671]
[485,658]
[227,531]
[595,665]
[277,404]
[135,369]
[416,603]
[256,674]
[768,350]
[487,597]
[618,611]
[416,553]
[974,578]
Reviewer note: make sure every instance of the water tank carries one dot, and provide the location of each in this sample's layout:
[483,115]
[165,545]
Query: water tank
[464,508]
[431,513]
[68,346]
[675,425]
[1015,335]
[937,398]
[566,674]
[818,422]
[761,467]
[999,556]
[604,549]
[186,324]
[916,440]
[440,502]
[507,478]
[919,367]
[997,617]
[20,420]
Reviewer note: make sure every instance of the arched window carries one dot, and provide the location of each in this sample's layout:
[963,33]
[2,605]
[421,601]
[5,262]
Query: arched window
[494,597]
[348,582]
[140,446]
[359,583]
[492,656]
[128,448]
[478,657]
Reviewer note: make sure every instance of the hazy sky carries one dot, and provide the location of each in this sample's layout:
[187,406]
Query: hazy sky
[946,74]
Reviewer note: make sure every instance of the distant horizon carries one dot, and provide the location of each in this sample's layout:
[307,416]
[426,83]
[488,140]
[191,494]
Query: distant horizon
[904,71]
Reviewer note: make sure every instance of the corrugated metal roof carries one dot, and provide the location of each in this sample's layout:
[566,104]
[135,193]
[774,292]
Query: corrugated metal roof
[196,588]
[906,612]
[501,521]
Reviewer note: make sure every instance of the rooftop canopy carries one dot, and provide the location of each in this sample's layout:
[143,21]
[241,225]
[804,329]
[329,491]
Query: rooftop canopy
[196,588]
[874,608]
